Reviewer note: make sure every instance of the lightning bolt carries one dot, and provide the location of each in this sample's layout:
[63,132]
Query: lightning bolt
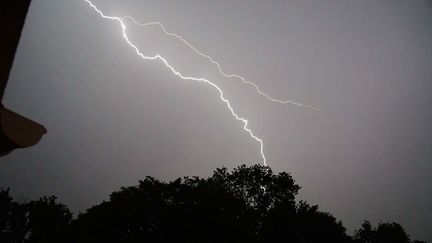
[322,116]
[180,75]
[223,73]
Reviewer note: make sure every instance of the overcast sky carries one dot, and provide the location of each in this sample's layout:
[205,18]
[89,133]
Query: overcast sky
[113,118]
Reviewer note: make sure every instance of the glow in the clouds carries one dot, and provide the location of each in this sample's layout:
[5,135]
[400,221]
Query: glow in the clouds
[177,73]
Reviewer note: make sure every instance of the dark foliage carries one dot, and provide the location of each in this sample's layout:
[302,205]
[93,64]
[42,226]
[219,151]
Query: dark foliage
[384,233]
[13,220]
[43,220]
[249,204]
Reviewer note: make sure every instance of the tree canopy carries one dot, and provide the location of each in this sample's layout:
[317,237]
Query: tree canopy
[247,204]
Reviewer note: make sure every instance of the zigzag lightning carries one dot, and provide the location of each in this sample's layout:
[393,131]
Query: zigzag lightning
[244,80]
[178,74]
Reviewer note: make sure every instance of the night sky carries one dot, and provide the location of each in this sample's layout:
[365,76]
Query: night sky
[113,118]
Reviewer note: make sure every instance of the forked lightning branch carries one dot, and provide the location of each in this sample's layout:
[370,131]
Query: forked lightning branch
[121,21]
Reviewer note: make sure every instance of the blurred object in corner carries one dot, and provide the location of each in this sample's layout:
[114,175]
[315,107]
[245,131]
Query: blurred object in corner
[16,131]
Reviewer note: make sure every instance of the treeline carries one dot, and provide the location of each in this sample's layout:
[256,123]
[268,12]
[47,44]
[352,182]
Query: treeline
[248,204]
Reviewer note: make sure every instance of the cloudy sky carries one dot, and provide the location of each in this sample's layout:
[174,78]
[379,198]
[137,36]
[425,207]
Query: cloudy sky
[113,118]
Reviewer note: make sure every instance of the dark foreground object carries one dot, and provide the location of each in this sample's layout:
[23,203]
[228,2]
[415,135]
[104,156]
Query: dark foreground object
[16,131]
[249,204]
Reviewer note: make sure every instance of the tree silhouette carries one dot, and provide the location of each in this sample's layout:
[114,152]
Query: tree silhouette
[366,234]
[384,233]
[13,221]
[225,207]
[43,220]
[247,204]
[47,220]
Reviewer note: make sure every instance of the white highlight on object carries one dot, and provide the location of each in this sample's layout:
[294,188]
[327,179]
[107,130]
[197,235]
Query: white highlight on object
[177,73]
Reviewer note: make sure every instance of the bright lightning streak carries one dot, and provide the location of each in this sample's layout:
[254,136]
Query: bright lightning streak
[244,80]
[177,73]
